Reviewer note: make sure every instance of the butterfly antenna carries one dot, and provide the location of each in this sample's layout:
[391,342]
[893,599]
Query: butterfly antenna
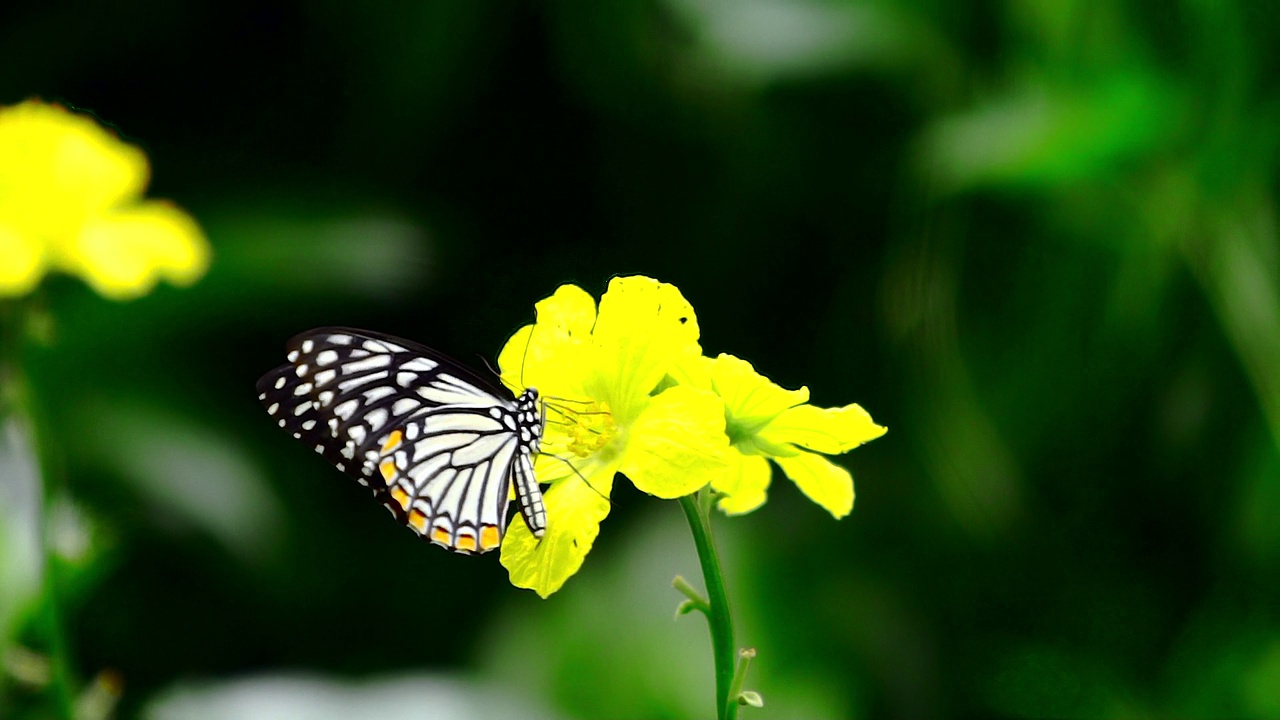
[497,374]
[524,357]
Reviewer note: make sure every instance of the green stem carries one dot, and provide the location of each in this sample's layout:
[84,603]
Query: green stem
[59,673]
[697,509]
[736,693]
[17,400]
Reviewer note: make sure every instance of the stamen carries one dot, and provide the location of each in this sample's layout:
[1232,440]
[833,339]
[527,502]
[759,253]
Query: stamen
[591,430]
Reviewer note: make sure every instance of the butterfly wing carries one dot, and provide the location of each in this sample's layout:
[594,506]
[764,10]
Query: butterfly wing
[437,444]
[450,471]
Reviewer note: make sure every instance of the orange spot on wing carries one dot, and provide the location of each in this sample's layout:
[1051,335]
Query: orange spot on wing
[466,542]
[441,536]
[393,442]
[489,537]
[388,469]
[418,520]
[401,497]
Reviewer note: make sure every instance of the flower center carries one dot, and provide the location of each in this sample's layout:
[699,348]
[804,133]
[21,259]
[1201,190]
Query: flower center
[589,426]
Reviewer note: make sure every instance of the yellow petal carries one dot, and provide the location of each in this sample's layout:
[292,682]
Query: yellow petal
[744,483]
[554,467]
[751,400]
[22,262]
[654,305]
[692,370]
[549,355]
[825,430]
[574,513]
[64,164]
[122,254]
[514,357]
[642,328]
[826,483]
[568,314]
[677,444]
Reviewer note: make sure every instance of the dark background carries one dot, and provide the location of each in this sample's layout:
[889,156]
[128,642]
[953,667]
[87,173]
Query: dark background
[1035,239]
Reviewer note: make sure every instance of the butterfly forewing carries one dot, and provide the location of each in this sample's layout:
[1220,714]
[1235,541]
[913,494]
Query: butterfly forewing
[439,445]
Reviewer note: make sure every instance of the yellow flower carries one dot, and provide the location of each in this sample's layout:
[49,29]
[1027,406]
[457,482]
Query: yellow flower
[71,200]
[766,422]
[599,374]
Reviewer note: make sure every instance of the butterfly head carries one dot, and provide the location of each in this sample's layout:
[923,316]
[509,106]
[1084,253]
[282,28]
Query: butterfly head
[529,418]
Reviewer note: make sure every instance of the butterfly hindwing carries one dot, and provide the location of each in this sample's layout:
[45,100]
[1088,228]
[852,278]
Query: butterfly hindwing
[439,445]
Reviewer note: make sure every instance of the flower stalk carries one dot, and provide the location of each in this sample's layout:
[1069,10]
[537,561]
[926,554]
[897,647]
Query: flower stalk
[17,402]
[695,600]
[736,693]
[697,509]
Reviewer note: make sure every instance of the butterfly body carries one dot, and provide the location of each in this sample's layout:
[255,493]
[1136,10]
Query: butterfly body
[439,445]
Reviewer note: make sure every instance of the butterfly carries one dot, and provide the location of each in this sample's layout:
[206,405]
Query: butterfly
[438,444]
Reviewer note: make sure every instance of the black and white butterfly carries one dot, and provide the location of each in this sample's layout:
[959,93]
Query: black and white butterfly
[438,444]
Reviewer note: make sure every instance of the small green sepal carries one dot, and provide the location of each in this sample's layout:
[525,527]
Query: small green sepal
[695,599]
[686,607]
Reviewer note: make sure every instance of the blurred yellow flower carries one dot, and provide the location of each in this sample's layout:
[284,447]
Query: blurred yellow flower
[600,373]
[71,200]
[767,422]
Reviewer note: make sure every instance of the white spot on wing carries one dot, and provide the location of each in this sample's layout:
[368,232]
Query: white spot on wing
[423,472]
[308,346]
[293,355]
[324,376]
[326,357]
[370,363]
[376,418]
[464,421]
[346,385]
[454,383]
[441,444]
[340,339]
[439,396]
[482,448]
[373,395]
[279,383]
[274,407]
[357,433]
[405,379]
[420,365]
[308,424]
[404,405]
[344,410]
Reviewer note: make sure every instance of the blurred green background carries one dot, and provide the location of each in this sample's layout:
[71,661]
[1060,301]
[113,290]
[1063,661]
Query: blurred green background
[1036,239]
